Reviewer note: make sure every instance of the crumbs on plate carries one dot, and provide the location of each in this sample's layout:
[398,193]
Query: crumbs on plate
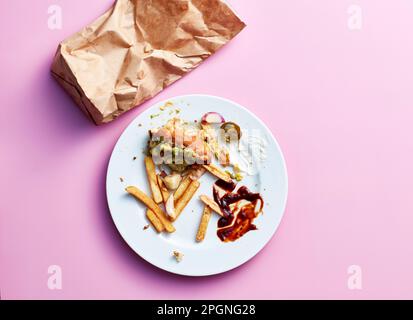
[166,105]
[178,256]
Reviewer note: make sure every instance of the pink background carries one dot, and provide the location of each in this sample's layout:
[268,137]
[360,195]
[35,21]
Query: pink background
[338,101]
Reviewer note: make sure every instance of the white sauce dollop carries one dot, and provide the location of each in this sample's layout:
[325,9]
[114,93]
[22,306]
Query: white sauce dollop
[252,152]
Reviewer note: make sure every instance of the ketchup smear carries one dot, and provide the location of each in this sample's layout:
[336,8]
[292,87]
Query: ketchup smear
[233,226]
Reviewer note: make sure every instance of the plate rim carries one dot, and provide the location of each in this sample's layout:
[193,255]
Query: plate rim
[284,200]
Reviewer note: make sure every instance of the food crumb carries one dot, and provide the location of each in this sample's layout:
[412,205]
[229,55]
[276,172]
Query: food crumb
[134,158]
[178,256]
[121,179]
[167,104]
[239,177]
[230,174]
[140,125]
[154,115]
[146,227]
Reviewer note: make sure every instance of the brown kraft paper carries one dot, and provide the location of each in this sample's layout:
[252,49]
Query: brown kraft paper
[138,48]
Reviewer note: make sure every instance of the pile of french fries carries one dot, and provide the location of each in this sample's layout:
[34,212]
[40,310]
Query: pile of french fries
[175,201]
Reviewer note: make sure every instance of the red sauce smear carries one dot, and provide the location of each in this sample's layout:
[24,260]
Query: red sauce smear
[233,226]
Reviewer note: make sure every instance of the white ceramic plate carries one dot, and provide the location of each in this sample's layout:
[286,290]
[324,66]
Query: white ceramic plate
[211,256]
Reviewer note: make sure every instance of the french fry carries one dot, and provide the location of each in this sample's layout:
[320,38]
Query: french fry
[153,180]
[163,188]
[186,197]
[182,187]
[203,225]
[170,207]
[217,172]
[211,203]
[153,219]
[141,196]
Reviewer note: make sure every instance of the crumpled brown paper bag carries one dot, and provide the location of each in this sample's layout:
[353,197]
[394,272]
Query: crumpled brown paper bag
[138,48]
